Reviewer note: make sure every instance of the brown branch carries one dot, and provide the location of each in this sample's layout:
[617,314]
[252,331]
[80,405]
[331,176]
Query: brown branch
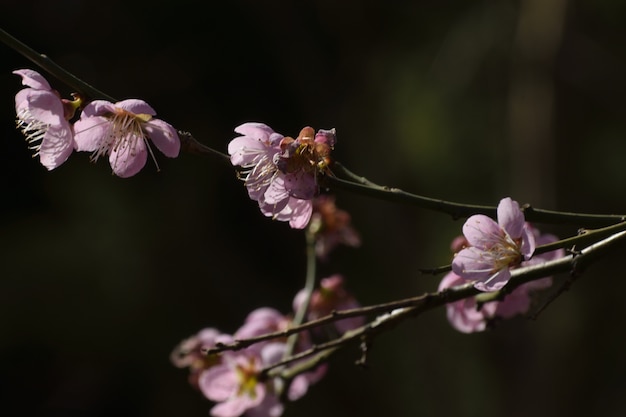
[575,264]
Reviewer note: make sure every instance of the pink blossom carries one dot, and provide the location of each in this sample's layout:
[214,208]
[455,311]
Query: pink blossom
[190,353]
[121,131]
[43,118]
[494,248]
[280,172]
[331,296]
[519,301]
[331,227]
[277,203]
[256,151]
[261,321]
[467,317]
[236,385]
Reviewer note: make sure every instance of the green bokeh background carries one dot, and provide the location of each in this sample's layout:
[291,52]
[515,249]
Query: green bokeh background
[100,277]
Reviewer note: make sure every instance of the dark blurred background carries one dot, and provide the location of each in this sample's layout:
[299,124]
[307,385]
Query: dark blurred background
[100,277]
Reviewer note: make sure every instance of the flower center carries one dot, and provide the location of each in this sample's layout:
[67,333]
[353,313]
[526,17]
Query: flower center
[248,378]
[123,135]
[505,253]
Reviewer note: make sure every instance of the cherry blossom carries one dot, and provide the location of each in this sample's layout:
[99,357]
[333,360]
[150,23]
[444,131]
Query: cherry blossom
[279,172]
[494,248]
[331,226]
[331,296]
[468,316]
[121,131]
[43,116]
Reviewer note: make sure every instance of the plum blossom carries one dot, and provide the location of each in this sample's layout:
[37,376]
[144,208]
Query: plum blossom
[190,352]
[237,387]
[262,320]
[233,379]
[494,248]
[465,315]
[331,227]
[468,316]
[234,384]
[43,117]
[121,131]
[331,296]
[279,172]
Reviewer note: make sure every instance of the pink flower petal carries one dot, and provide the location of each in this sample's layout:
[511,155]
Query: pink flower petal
[463,315]
[276,191]
[298,388]
[164,136]
[136,106]
[97,108]
[56,146]
[301,215]
[471,264]
[275,210]
[43,106]
[495,281]
[90,132]
[510,217]
[528,243]
[301,185]
[128,157]
[482,231]
[258,131]
[515,303]
[33,79]
[241,150]
[218,383]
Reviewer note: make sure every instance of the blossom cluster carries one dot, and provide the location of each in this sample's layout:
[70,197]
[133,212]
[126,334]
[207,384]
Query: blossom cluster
[282,175]
[280,172]
[485,255]
[235,380]
[118,130]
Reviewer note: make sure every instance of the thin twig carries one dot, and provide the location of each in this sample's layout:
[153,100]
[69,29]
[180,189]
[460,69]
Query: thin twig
[363,186]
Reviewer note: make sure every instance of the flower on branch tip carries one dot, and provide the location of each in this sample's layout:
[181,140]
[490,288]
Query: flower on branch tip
[279,172]
[331,226]
[494,247]
[121,131]
[468,316]
[43,117]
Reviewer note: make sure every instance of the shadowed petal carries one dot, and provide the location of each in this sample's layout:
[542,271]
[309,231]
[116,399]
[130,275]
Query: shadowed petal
[128,157]
[495,282]
[56,147]
[164,136]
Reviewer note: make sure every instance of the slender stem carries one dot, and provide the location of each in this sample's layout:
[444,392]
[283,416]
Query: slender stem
[190,144]
[354,182]
[309,286]
[363,186]
[89,92]
[585,237]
